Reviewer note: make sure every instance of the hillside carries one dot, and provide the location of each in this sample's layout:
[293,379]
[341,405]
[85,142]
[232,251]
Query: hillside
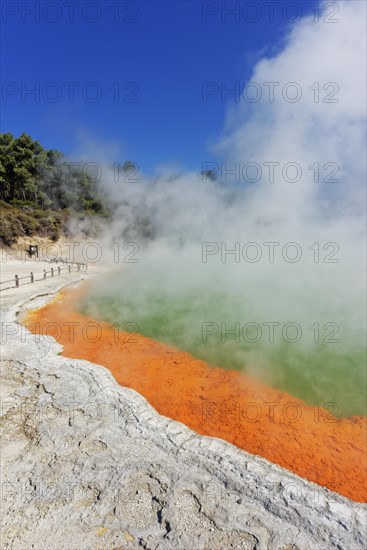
[41,190]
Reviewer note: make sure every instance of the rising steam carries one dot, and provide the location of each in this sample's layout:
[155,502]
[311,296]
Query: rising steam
[175,296]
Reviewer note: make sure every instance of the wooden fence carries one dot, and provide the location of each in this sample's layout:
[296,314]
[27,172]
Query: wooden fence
[54,271]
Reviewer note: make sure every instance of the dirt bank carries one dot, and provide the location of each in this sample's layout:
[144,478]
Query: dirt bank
[226,404]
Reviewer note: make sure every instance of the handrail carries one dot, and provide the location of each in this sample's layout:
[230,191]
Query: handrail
[52,272]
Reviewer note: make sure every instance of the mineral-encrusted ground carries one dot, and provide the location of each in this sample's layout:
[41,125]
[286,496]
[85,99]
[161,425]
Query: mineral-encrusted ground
[87,464]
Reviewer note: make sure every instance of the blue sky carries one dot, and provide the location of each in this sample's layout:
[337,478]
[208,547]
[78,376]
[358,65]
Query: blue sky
[159,53]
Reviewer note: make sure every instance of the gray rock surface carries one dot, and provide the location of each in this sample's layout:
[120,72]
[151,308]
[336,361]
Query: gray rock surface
[87,464]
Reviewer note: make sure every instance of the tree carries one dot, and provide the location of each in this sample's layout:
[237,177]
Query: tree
[29,173]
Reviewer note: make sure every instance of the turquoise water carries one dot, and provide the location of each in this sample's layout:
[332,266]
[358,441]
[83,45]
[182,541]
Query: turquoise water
[329,373]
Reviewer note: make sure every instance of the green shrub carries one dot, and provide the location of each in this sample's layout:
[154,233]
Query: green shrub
[10,229]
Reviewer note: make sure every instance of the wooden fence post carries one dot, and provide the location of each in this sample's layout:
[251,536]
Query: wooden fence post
[79,266]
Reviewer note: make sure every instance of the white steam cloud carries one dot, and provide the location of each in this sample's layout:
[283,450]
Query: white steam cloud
[173,291]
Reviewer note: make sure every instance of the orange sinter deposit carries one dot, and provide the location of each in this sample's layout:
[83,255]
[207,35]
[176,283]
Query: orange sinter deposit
[220,403]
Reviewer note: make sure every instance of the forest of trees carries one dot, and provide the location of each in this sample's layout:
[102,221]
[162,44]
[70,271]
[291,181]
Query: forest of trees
[39,188]
[30,174]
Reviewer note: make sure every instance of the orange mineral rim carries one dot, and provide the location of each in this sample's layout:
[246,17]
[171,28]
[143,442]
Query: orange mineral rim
[230,405]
